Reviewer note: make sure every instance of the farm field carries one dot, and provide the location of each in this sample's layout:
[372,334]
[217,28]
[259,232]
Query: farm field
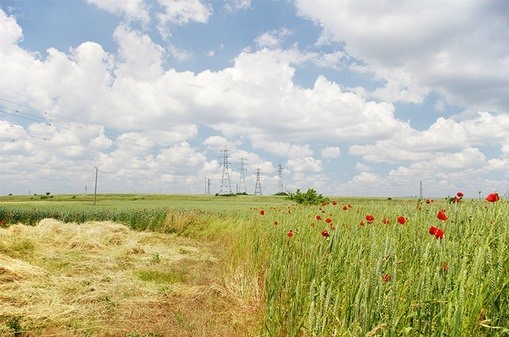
[156,265]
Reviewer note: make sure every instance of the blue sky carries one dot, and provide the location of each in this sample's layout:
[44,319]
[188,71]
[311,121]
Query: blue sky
[354,98]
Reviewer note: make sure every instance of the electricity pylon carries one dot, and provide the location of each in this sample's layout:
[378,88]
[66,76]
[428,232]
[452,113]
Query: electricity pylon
[258,185]
[225,177]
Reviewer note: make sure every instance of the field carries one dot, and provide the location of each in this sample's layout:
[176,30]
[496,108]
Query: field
[155,265]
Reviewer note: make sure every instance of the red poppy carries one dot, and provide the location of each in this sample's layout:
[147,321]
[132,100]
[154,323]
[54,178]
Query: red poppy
[385,221]
[370,218]
[290,233]
[444,266]
[401,219]
[437,232]
[325,233]
[361,223]
[318,218]
[275,222]
[328,220]
[345,208]
[493,197]
[262,212]
[334,203]
[456,200]
[441,215]
[386,277]
[428,201]
[460,194]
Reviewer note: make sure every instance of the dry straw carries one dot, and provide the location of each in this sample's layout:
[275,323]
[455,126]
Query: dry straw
[105,279]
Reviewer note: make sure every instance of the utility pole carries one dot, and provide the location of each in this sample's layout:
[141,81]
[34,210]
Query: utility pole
[95,188]
[420,189]
[258,185]
[225,178]
[280,187]
[241,187]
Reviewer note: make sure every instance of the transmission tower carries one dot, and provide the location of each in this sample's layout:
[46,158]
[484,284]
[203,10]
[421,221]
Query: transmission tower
[207,185]
[225,177]
[242,180]
[258,185]
[280,186]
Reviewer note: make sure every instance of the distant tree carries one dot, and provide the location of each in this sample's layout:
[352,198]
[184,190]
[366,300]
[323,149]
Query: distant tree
[311,197]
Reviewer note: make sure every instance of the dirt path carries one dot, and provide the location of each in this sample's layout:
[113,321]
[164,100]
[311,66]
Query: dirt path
[102,279]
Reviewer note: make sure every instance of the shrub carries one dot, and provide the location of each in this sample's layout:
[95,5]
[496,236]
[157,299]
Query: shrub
[311,197]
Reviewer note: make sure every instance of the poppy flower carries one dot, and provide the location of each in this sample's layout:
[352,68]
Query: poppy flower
[386,277]
[275,222]
[318,217]
[428,201]
[361,223]
[334,202]
[441,215]
[328,220]
[456,200]
[262,212]
[460,194]
[493,197]
[290,233]
[325,233]
[437,232]
[401,220]
[444,266]
[345,208]
[370,218]
[385,221]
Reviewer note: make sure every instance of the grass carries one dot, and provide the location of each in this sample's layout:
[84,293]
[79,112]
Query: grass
[218,266]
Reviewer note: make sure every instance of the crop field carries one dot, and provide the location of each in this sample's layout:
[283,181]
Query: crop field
[156,265]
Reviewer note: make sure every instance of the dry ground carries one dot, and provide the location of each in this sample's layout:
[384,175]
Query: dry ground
[103,279]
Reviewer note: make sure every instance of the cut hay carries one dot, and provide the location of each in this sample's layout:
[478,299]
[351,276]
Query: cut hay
[103,279]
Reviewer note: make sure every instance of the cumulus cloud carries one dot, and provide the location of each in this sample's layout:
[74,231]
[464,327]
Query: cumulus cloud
[416,46]
[273,38]
[130,9]
[182,11]
[330,152]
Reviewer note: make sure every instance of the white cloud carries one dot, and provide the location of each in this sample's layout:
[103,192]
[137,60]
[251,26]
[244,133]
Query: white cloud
[362,167]
[130,9]
[140,57]
[416,46]
[409,145]
[330,152]
[304,164]
[233,5]
[11,31]
[182,11]
[273,38]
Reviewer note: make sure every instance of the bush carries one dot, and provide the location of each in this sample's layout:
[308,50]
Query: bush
[311,197]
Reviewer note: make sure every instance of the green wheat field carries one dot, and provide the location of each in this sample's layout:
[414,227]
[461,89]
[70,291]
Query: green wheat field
[254,266]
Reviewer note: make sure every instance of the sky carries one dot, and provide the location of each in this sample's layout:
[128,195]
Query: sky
[348,97]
